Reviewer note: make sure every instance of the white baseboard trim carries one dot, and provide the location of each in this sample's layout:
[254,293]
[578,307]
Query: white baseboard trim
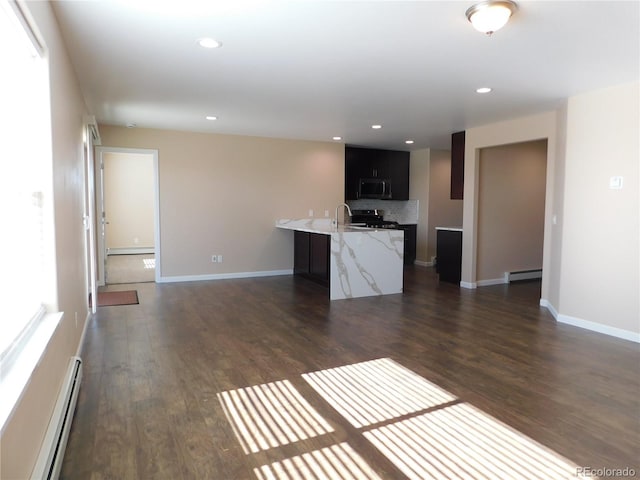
[588,325]
[223,276]
[422,263]
[491,281]
[547,304]
[131,251]
[470,285]
[84,332]
[600,328]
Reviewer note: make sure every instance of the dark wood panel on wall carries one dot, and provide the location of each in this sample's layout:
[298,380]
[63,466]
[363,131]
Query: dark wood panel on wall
[457,165]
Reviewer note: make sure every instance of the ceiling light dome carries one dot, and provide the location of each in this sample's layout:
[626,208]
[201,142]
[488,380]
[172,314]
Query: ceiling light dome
[491,15]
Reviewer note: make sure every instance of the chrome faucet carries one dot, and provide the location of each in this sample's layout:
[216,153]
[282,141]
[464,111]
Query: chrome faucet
[338,208]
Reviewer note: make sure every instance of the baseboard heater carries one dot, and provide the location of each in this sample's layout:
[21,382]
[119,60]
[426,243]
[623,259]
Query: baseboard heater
[522,275]
[55,441]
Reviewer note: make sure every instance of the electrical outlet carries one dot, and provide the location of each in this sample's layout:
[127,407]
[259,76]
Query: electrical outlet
[219,258]
[214,259]
[326,213]
[311,212]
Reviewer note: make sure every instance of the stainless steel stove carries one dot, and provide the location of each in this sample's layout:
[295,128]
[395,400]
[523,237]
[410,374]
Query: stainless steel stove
[372,219]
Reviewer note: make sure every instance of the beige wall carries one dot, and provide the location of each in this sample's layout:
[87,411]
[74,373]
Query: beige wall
[591,264]
[511,193]
[221,195]
[419,190]
[129,198]
[23,434]
[443,212]
[600,280]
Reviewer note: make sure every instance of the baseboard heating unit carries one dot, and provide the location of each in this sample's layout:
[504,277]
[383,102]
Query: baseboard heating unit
[522,275]
[55,441]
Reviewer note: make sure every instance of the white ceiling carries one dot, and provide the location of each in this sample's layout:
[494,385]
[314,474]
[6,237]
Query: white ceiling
[316,69]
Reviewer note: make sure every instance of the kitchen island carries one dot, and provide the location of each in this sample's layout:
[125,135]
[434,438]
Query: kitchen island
[361,262]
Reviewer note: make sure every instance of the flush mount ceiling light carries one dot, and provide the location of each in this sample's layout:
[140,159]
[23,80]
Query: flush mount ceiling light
[409,142]
[376,127]
[336,138]
[491,15]
[211,117]
[483,90]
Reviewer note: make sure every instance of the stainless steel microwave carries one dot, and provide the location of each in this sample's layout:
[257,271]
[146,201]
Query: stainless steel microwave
[379,188]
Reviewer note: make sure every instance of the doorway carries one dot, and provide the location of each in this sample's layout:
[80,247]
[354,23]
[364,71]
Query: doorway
[128,213]
[511,212]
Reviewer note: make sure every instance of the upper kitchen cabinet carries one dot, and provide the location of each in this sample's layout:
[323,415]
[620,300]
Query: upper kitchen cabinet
[374,173]
[457,165]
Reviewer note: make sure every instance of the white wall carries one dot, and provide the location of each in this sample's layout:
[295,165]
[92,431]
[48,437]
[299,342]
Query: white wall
[600,279]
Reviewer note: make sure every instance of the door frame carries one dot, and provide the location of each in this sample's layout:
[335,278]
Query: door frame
[91,139]
[99,214]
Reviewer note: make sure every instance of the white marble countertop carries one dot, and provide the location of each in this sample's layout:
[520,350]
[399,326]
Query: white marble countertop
[453,229]
[320,225]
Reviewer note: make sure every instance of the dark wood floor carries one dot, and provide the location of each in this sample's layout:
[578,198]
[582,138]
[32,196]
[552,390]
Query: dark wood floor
[149,407]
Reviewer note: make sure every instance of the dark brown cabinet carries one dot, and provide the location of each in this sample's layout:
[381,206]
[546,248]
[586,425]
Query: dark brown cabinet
[311,256]
[449,255]
[457,165]
[410,234]
[391,165]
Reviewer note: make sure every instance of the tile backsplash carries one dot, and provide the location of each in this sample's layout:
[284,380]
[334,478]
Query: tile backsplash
[398,211]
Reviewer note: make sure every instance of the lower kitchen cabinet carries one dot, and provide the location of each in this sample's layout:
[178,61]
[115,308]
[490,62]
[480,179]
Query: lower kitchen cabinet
[410,233]
[449,255]
[311,256]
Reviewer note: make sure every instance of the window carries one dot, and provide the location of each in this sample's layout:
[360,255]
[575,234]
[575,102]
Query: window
[27,282]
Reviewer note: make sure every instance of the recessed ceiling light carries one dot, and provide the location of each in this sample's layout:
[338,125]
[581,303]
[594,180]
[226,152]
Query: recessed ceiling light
[336,138]
[209,43]
[483,90]
[408,142]
[376,127]
[211,117]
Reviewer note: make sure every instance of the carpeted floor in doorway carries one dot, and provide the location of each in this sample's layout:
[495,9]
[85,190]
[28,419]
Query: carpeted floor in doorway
[124,297]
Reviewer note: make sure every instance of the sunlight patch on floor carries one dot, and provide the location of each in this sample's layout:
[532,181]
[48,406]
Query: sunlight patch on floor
[425,431]
[335,462]
[375,391]
[462,442]
[270,415]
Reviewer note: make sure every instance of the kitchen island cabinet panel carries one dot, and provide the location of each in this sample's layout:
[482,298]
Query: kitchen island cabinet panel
[311,256]
[301,253]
